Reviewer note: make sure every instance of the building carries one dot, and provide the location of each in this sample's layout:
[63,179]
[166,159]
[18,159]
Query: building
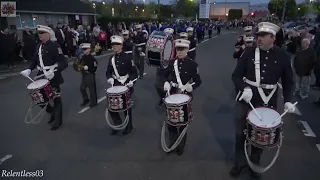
[221,9]
[45,12]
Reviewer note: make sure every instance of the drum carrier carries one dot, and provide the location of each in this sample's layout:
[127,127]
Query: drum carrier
[160,49]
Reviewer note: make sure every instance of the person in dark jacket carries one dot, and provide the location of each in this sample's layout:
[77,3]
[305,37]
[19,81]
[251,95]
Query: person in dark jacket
[303,64]
[30,44]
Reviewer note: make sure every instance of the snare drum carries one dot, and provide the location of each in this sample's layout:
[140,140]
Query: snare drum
[178,109]
[264,133]
[119,98]
[41,91]
[160,49]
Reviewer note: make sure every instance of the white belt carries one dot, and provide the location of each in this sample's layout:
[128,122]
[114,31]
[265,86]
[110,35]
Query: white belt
[263,86]
[192,49]
[141,44]
[128,52]
[121,79]
[47,67]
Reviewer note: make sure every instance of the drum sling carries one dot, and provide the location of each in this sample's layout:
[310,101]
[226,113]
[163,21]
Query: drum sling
[121,79]
[120,126]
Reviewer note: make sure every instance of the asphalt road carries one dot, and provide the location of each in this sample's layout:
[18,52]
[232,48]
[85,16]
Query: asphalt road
[83,149]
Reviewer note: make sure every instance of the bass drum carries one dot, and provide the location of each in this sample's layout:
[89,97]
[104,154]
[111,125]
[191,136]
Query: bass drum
[160,49]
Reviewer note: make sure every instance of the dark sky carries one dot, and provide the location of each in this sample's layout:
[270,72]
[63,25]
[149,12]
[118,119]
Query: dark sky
[251,1]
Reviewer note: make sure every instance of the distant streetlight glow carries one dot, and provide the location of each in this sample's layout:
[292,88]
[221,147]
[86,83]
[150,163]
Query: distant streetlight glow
[103,3]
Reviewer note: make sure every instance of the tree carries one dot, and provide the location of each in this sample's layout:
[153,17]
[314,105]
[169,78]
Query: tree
[276,7]
[186,8]
[303,9]
[151,8]
[235,14]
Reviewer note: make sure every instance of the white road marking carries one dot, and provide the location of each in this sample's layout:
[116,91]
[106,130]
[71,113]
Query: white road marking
[2,77]
[6,157]
[99,101]
[318,146]
[308,131]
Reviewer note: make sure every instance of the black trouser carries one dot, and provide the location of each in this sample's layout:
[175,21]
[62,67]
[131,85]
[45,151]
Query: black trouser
[160,80]
[139,60]
[241,111]
[89,81]
[56,110]
[115,116]
[317,74]
[199,37]
[218,30]
[210,33]
[174,133]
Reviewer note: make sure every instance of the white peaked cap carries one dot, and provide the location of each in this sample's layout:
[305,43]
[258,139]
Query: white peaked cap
[169,30]
[183,34]
[182,43]
[125,32]
[138,26]
[85,45]
[248,38]
[247,28]
[267,27]
[190,29]
[117,39]
[42,28]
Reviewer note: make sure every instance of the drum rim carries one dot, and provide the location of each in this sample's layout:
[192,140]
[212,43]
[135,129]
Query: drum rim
[259,127]
[48,82]
[187,102]
[117,93]
[264,128]
[179,124]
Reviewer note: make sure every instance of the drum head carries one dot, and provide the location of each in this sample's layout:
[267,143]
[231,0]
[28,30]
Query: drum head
[268,115]
[37,84]
[117,89]
[167,51]
[177,99]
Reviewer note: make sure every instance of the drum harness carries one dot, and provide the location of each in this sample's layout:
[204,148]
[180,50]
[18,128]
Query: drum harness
[37,119]
[122,80]
[265,99]
[184,131]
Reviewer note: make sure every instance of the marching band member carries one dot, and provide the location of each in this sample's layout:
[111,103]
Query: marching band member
[140,41]
[49,61]
[266,64]
[169,31]
[88,76]
[188,70]
[247,42]
[127,43]
[247,31]
[193,44]
[120,71]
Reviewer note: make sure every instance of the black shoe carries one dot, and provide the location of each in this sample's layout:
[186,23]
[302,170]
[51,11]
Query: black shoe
[317,102]
[127,130]
[255,175]
[53,128]
[141,77]
[84,103]
[236,170]
[51,119]
[180,151]
[92,105]
[114,132]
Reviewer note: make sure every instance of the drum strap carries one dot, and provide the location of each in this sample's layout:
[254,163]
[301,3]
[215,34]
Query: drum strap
[192,49]
[121,79]
[257,84]
[176,71]
[42,67]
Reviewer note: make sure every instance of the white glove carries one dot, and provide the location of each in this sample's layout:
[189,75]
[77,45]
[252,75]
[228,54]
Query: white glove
[243,46]
[26,72]
[110,81]
[130,84]
[188,87]
[85,68]
[49,74]
[142,54]
[166,86]
[246,95]
[290,107]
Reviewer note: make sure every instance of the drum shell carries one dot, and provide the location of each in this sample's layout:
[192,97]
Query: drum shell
[124,105]
[155,55]
[186,107]
[264,138]
[44,92]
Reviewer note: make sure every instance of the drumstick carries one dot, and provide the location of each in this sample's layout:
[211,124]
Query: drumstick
[36,77]
[29,78]
[286,111]
[255,111]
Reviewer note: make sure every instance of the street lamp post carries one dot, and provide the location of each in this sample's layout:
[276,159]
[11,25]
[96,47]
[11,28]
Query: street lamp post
[284,10]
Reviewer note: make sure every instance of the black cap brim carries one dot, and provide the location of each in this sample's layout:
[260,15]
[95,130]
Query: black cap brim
[262,33]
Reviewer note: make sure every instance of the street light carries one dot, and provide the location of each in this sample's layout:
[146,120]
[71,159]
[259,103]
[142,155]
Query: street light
[298,9]
[103,3]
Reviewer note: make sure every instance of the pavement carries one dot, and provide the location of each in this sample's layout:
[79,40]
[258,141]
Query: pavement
[83,149]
